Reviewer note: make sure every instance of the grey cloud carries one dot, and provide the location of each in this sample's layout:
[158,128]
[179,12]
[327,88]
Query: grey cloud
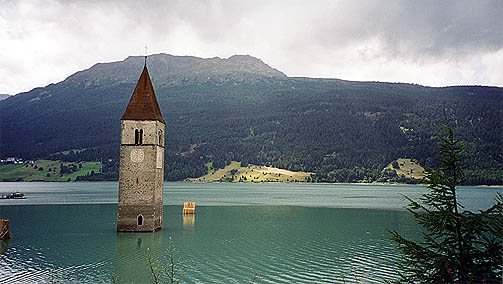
[418,28]
[325,38]
[406,28]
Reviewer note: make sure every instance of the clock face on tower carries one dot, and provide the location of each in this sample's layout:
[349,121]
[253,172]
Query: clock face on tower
[137,155]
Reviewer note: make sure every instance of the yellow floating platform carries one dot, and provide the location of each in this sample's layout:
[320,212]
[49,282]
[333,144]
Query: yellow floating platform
[189,208]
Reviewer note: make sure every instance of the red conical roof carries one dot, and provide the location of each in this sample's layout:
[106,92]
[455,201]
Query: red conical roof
[143,103]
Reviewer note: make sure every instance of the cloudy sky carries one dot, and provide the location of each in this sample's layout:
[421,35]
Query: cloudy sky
[434,43]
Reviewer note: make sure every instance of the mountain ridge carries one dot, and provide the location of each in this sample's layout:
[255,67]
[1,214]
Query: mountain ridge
[138,61]
[241,109]
[165,66]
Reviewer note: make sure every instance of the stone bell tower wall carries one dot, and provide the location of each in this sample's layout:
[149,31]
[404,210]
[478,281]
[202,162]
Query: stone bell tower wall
[141,175]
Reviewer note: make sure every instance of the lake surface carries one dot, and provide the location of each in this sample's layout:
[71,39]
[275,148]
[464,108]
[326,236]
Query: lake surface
[285,233]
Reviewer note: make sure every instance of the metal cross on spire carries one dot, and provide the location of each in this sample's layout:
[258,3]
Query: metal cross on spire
[145,55]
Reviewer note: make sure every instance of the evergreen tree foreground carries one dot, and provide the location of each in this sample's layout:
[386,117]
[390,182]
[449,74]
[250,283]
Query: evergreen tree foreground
[458,246]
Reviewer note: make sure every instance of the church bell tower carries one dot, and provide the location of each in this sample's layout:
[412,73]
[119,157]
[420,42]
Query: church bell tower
[141,170]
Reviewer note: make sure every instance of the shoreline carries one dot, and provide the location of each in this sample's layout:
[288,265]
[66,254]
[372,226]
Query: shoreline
[216,182]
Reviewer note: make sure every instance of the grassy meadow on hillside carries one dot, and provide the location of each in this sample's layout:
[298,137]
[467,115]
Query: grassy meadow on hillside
[409,168]
[47,170]
[234,172]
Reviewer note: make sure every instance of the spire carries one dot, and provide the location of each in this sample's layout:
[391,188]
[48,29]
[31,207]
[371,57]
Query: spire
[143,103]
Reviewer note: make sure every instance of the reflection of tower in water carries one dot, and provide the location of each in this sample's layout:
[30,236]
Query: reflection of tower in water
[4,245]
[131,263]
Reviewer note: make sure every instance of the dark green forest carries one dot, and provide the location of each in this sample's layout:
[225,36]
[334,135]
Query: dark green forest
[241,109]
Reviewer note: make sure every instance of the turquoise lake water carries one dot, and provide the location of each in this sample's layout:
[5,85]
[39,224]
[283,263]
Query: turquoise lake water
[285,233]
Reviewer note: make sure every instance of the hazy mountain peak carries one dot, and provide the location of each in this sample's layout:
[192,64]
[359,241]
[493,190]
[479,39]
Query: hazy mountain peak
[190,65]
[245,58]
[170,68]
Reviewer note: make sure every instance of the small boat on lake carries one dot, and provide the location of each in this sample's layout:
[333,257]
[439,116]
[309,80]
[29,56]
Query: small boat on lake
[14,195]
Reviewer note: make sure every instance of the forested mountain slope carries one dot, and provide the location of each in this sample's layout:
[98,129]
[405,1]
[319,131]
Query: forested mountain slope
[241,109]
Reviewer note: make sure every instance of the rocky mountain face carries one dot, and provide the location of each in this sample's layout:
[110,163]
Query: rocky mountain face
[167,69]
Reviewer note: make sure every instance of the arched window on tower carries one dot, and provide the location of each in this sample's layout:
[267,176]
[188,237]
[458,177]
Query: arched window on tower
[160,137]
[136,136]
[139,220]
